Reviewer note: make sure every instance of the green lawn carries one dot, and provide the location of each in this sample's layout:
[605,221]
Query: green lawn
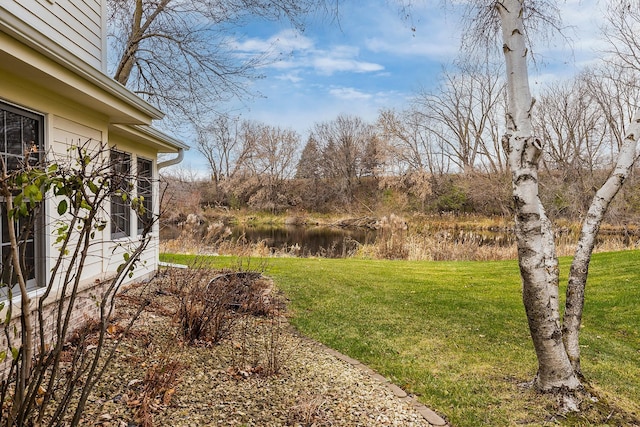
[455,334]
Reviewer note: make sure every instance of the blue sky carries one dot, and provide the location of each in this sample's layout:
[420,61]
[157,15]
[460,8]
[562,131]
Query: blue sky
[372,59]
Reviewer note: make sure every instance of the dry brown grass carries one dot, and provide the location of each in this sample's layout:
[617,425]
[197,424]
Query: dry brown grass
[420,237]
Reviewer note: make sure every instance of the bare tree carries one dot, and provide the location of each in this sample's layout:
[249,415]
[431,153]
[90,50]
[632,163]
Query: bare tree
[577,142]
[615,90]
[272,162]
[555,342]
[410,143]
[225,146]
[536,247]
[464,115]
[343,143]
[179,54]
[571,124]
[625,45]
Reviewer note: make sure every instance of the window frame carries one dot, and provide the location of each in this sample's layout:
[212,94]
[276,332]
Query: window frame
[144,188]
[35,241]
[120,210]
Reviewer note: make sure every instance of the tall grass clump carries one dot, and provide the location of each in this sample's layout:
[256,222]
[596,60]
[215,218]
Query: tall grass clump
[392,238]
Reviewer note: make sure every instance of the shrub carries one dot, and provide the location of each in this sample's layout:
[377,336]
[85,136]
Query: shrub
[391,238]
[208,307]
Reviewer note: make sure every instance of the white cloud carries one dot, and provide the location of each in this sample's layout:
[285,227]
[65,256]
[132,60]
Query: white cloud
[330,65]
[430,49]
[285,41]
[349,93]
[284,64]
[425,30]
[292,40]
[291,50]
[292,77]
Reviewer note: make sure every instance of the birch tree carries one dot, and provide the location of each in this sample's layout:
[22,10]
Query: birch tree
[536,248]
[555,342]
[626,45]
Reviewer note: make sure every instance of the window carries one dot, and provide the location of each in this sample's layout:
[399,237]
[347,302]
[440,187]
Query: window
[21,142]
[121,187]
[145,190]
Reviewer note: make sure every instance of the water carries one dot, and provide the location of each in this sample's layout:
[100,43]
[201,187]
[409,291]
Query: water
[327,241]
[339,242]
[331,242]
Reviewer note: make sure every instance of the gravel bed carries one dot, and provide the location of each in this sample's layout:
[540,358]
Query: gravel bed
[264,375]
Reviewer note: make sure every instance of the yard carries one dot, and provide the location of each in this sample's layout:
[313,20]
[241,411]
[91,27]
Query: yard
[454,333]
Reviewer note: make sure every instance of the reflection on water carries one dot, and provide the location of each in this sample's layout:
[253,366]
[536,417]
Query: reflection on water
[331,242]
[307,241]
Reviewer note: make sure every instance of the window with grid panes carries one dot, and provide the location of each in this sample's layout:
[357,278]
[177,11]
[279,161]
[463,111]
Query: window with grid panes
[145,190]
[21,142]
[120,200]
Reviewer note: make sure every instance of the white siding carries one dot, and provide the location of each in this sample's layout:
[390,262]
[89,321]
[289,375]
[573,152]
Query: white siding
[148,262]
[105,255]
[66,134]
[76,25]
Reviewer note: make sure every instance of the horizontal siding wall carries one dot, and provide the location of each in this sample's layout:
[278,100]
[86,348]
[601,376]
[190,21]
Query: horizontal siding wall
[74,24]
[67,135]
[105,255]
[147,264]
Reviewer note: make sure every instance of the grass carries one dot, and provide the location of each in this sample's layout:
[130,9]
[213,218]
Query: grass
[455,334]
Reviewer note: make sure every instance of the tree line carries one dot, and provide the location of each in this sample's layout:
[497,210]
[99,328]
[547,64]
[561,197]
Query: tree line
[441,153]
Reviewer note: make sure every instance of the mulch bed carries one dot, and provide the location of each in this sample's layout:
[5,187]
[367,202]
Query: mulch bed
[262,373]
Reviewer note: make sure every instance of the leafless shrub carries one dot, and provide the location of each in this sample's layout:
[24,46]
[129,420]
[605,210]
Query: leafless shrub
[209,302]
[203,311]
[391,239]
[155,391]
[259,347]
[308,411]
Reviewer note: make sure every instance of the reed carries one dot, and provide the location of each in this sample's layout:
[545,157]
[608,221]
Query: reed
[418,238]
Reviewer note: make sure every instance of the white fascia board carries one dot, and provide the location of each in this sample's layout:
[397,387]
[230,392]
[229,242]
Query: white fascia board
[150,136]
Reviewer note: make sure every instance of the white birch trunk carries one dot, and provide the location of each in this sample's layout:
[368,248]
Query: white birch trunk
[536,248]
[590,227]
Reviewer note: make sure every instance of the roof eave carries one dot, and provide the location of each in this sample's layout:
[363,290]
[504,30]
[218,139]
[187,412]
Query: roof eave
[150,136]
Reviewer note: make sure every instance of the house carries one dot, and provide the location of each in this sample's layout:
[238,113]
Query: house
[54,92]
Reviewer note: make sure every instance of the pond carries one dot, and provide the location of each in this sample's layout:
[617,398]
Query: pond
[327,241]
[331,242]
[339,242]
[298,240]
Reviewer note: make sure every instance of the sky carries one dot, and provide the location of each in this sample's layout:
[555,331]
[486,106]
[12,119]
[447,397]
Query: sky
[373,58]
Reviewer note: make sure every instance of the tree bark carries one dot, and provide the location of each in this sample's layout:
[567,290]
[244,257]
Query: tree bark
[27,341]
[137,33]
[590,227]
[536,249]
